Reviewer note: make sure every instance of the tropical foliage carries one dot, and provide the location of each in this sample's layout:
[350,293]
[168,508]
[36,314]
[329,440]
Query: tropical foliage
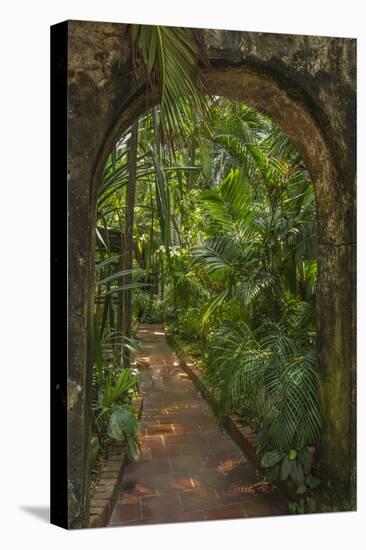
[206,221]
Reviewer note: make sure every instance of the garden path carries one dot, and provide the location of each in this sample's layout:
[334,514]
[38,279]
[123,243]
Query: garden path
[189,468]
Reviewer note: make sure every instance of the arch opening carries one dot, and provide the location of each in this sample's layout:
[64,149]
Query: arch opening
[290,117]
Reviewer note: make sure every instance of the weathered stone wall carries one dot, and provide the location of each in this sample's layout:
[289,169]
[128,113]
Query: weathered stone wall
[307,85]
[94,53]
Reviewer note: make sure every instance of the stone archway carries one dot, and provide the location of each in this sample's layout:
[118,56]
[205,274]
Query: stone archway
[307,86]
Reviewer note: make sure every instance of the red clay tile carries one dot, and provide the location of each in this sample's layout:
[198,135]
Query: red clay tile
[209,478]
[192,515]
[230,511]
[159,429]
[165,452]
[224,461]
[194,449]
[146,454]
[185,427]
[198,499]
[138,487]
[151,441]
[223,445]
[161,466]
[160,506]
[189,469]
[176,439]
[183,463]
[125,511]
[171,483]
[212,435]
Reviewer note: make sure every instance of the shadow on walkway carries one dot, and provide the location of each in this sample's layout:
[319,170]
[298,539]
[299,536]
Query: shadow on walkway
[189,468]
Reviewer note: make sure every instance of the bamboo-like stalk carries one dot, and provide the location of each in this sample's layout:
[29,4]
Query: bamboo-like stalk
[127,252]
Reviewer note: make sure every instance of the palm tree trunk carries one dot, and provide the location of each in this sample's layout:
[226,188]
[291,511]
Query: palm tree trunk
[128,248]
[120,329]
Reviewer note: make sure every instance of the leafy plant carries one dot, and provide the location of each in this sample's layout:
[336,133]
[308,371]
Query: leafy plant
[223,248]
[124,384]
[278,383]
[293,467]
[115,387]
[123,426]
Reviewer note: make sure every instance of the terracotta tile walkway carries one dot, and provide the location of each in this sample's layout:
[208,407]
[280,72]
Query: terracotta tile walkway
[189,469]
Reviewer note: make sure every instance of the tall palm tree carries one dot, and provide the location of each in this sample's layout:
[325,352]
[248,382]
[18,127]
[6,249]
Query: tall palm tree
[128,240]
[169,59]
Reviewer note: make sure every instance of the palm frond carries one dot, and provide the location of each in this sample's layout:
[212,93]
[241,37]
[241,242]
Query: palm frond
[170,56]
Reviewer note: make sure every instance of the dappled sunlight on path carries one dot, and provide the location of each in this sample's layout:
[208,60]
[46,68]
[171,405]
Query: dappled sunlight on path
[189,468]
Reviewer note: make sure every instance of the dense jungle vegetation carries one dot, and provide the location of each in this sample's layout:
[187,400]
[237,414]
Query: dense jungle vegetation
[211,229]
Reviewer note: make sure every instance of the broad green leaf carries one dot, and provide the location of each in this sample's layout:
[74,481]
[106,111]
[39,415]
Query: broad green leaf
[286,468]
[297,473]
[122,424]
[271,458]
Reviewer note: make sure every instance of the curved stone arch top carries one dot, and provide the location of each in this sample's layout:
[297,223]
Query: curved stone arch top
[304,84]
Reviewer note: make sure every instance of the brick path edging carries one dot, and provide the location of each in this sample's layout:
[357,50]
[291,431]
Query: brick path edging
[106,491]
